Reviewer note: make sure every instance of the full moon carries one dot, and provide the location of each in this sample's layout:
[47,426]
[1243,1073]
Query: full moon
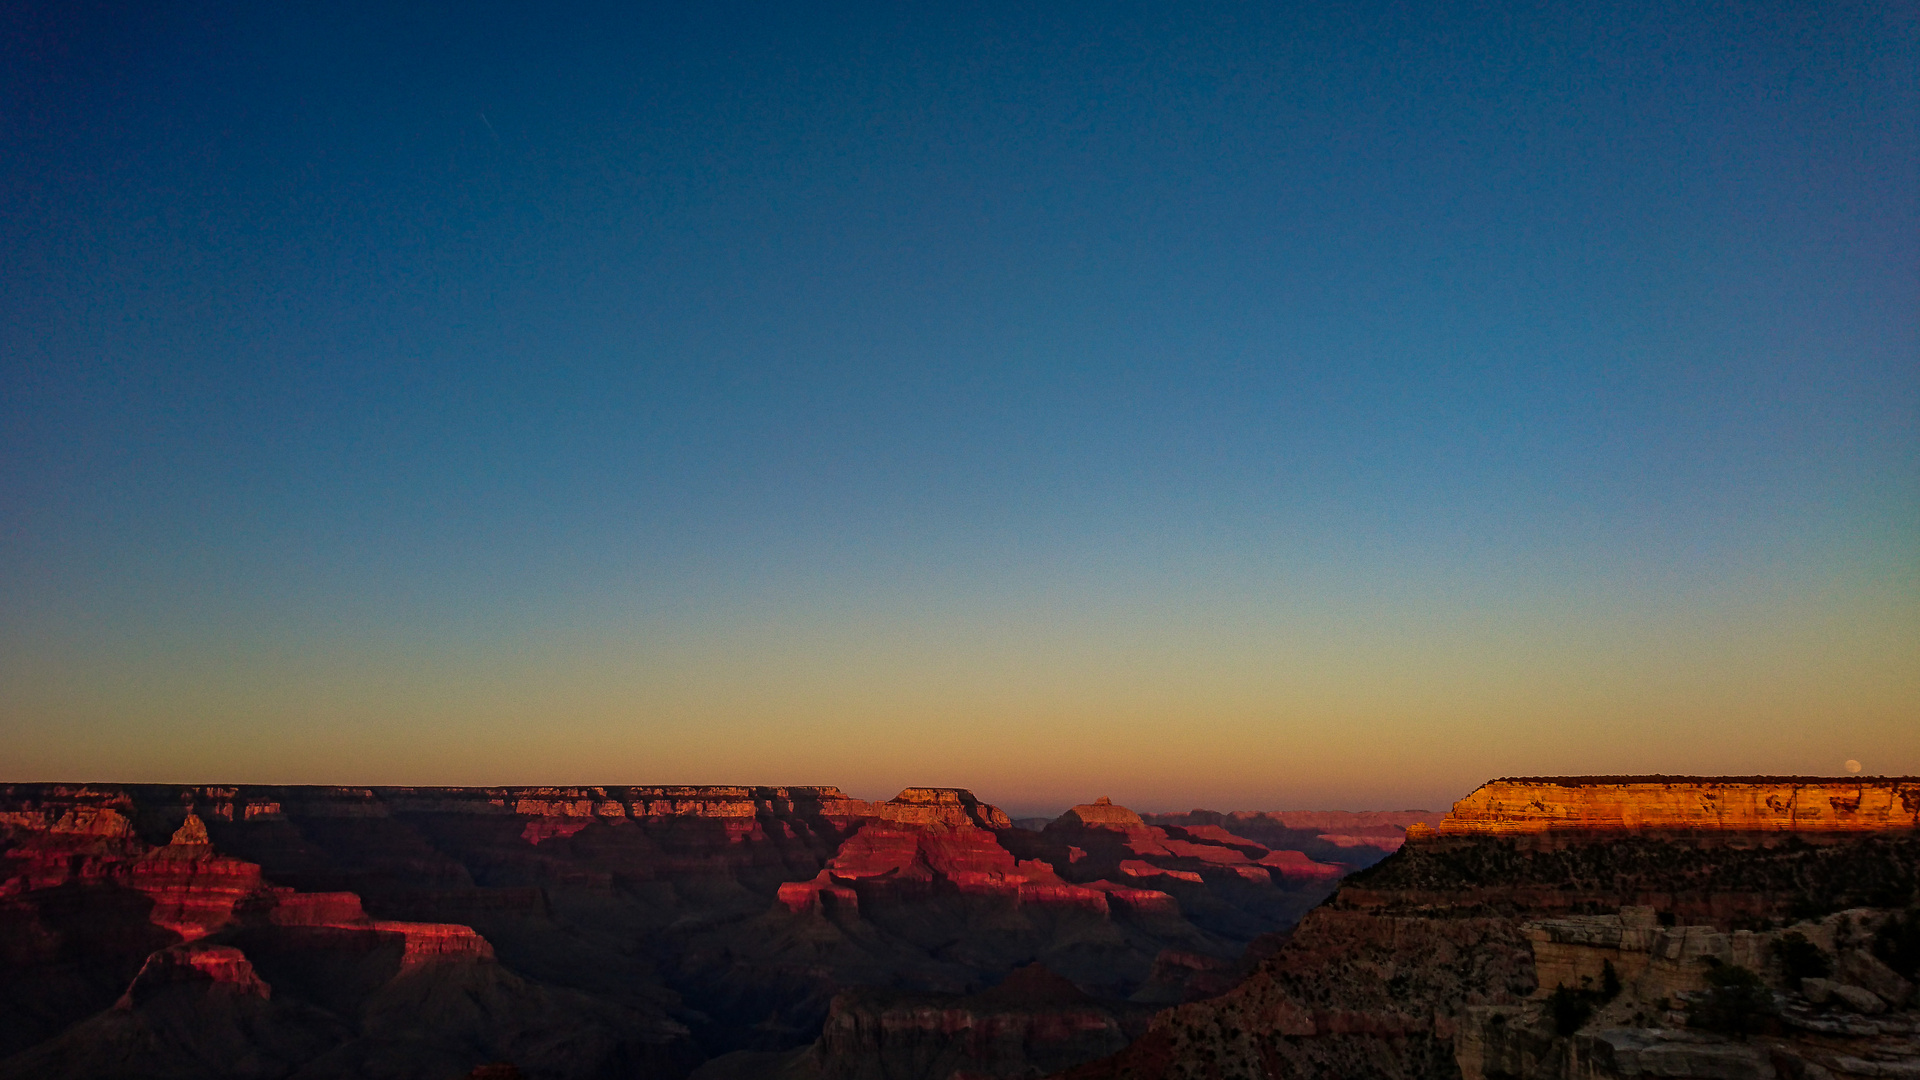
[1852,765]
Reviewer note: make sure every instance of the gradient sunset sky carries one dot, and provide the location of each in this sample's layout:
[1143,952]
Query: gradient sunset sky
[1245,406]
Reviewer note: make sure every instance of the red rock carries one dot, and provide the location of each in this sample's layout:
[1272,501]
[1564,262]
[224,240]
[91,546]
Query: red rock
[282,873]
[942,806]
[286,907]
[823,894]
[1138,901]
[1295,865]
[1713,804]
[194,890]
[227,967]
[547,828]
[427,942]
[1140,869]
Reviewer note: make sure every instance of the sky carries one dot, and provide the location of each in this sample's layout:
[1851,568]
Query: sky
[1230,405]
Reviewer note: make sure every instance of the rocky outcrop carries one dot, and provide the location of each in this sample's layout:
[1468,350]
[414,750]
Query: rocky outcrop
[1634,984]
[925,841]
[222,965]
[1711,804]
[1101,813]
[1445,960]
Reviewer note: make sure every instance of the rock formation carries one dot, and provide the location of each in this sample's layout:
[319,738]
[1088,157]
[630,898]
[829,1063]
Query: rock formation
[596,931]
[1595,929]
[1729,804]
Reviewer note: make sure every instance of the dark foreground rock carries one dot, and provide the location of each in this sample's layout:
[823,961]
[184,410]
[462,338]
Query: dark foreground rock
[1544,932]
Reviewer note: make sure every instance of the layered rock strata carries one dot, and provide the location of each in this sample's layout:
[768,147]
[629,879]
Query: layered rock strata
[1446,960]
[1856,1024]
[643,929]
[1733,804]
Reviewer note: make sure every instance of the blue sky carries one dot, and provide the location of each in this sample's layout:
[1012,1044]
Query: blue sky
[608,389]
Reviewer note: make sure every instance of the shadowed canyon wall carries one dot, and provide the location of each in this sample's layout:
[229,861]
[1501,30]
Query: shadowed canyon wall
[620,931]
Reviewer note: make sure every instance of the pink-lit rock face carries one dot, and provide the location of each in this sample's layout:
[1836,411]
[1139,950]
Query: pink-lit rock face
[548,827]
[823,894]
[190,889]
[194,891]
[893,862]
[1292,864]
[287,907]
[954,807]
[753,906]
[226,967]
[932,841]
[1139,901]
[1139,868]
[426,942]
[1119,844]
[1713,804]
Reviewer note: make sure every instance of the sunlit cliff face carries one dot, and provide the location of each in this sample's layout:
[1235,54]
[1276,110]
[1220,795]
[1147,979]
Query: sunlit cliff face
[1733,804]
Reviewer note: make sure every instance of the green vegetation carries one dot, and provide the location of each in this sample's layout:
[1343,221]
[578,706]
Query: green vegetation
[1735,1002]
[1802,959]
[1572,1008]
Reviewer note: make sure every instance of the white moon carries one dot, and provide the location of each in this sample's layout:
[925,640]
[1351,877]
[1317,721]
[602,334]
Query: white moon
[1852,765]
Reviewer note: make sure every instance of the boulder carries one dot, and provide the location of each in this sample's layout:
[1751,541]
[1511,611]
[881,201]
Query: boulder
[1863,969]
[1859,1000]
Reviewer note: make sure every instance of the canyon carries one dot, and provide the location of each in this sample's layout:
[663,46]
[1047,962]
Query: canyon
[1582,928]
[260,931]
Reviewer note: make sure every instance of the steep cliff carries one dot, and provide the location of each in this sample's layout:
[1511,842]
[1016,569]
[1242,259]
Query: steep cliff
[1446,959]
[1649,803]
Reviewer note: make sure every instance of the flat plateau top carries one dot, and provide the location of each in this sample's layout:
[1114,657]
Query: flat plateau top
[1616,781]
